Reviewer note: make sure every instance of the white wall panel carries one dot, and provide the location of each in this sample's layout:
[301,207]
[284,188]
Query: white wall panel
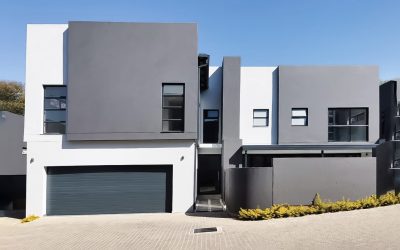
[258,90]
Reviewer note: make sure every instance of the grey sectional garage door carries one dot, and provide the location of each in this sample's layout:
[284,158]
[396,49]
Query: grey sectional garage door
[109,189]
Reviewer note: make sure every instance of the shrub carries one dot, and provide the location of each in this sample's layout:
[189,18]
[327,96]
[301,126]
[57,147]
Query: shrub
[389,199]
[318,206]
[29,218]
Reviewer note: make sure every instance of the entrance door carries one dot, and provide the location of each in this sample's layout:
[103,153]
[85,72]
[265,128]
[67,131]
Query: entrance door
[209,174]
[210,126]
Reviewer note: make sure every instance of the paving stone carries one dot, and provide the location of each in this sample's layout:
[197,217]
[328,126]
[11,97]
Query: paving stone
[363,229]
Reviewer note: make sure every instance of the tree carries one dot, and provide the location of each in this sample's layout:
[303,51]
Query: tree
[12,97]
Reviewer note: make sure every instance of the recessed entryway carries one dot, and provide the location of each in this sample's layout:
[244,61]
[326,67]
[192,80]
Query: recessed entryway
[209,174]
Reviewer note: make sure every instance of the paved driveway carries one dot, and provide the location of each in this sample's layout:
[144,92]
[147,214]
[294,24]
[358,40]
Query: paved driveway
[376,228]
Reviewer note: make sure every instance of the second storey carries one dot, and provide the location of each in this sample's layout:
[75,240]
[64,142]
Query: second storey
[96,81]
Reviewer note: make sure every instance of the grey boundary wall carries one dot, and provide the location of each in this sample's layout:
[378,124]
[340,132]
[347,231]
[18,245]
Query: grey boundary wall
[297,180]
[252,188]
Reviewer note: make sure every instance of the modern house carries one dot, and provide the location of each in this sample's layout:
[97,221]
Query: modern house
[129,117]
[12,165]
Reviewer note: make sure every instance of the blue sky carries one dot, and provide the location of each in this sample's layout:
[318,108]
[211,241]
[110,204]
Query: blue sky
[263,33]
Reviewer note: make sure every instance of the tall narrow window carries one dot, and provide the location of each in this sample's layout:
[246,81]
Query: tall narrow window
[299,117]
[260,117]
[347,124]
[173,107]
[55,106]
[211,126]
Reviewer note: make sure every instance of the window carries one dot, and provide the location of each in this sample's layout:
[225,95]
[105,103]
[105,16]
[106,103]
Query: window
[210,126]
[173,107]
[347,124]
[260,117]
[299,117]
[55,106]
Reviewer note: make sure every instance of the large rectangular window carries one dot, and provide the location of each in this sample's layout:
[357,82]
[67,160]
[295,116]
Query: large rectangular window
[260,117]
[173,107]
[347,124]
[55,106]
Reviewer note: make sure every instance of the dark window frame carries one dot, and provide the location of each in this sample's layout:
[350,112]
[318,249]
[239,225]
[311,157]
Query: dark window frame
[261,118]
[299,117]
[216,118]
[61,97]
[349,125]
[173,107]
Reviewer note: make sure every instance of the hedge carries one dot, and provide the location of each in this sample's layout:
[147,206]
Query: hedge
[318,206]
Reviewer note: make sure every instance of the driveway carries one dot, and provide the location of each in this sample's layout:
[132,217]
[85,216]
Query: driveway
[363,229]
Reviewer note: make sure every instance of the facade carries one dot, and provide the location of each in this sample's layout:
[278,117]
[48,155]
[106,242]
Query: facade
[129,117]
[12,164]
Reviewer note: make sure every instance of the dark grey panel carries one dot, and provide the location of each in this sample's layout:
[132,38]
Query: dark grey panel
[297,180]
[384,173]
[115,77]
[231,153]
[109,189]
[131,136]
[12,161]
[248,188]
[231,98]
[387,107]
[322,87]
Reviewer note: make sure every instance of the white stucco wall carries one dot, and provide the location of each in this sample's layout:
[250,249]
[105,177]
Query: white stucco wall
[211,98]
[45,57]
[258,90]
[58,152]
[45,64]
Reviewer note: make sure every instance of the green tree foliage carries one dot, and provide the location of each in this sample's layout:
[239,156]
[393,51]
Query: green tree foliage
[12,97]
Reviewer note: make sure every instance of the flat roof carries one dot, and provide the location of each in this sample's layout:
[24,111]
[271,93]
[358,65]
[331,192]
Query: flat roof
[308,147]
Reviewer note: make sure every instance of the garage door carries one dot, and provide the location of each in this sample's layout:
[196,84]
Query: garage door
[109,189]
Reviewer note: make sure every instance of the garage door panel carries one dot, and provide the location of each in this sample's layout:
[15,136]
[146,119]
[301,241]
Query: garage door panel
[108,189]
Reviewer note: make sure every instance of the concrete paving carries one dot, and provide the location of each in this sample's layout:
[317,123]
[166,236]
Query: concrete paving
[376,228]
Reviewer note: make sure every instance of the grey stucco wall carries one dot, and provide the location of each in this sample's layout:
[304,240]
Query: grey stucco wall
[251,188]
[12,161]
[297,180]
[231,142]
[231,153]
[115,77]
[231,97]
[319,88]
